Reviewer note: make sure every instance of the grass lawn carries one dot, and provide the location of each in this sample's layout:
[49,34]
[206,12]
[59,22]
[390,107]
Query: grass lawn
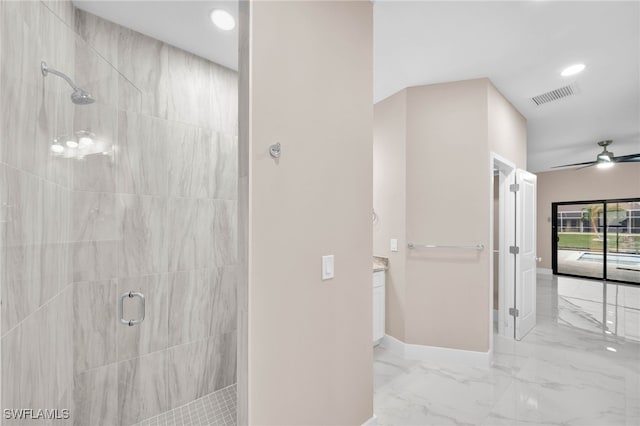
[585,241]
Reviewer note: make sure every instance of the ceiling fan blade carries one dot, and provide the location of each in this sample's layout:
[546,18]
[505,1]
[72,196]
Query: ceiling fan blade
[631,158]
[589,163]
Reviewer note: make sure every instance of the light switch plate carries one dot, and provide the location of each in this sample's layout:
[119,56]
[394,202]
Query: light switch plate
[394,244]
[327,267]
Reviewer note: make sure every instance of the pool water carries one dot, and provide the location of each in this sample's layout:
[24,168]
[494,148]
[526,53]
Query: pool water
[620,259]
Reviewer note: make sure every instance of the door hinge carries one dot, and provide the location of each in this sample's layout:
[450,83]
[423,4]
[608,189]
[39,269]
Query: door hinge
[514,250]
[514,312]
[514,187]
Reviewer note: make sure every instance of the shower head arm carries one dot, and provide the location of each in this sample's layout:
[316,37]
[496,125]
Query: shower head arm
[46,70]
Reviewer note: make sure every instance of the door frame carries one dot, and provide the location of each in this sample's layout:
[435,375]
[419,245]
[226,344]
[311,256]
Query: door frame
[506,263]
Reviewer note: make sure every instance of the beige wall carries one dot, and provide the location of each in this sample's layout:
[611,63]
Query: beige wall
[448,203]
[507,129]
[450,131]
[591,183]
[309,343]
[389,201]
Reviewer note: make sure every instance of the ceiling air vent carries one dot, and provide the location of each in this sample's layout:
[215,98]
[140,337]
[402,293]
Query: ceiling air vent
[554,95]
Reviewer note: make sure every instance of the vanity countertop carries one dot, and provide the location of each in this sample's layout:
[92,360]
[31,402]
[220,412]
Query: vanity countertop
[380,263]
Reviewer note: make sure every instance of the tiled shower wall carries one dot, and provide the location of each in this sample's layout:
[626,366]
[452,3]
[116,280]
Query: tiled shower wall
[157,214]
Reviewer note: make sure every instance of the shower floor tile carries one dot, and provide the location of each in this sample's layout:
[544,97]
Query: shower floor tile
[216,409]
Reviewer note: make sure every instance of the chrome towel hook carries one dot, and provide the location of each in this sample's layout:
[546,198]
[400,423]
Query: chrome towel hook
[275,150]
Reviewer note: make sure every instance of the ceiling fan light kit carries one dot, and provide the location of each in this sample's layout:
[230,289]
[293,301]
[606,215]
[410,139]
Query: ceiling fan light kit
[605,159]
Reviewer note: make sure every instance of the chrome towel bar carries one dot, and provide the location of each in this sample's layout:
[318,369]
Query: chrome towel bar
[478,247]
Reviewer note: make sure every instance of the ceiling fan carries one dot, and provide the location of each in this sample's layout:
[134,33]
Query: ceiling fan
[605,159]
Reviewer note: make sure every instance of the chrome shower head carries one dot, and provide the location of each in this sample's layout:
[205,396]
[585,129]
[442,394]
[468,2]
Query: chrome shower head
[78,96]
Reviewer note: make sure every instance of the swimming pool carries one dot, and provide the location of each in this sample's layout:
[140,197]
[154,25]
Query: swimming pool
[620,259]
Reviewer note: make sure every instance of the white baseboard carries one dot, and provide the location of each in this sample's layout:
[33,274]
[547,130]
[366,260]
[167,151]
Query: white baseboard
[373,421]
[434,353]
[544,271]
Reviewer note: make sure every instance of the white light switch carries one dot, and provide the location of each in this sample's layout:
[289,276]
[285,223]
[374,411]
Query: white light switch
[327,267]
[394,244]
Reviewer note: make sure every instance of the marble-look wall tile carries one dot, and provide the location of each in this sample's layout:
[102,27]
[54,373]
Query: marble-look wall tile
[94,324]
[144,248]
[199,368]
[190,151]
[95,75]
[142,387]
[37,358]
[143,62]
[66,400]
[96,397]
[225,236]
[34,256]
[96,217]
[24,197]
[53,108]
[142,154]
[190,236]
[63,9]
[215,108]
[100,34]
[202,303]
[95,172]
[243,220]
[151,334]
[20,44]
[189,91]
[225,301]
[54,120]
[55,39]
[93,260]
[33,275]
[129,96]
[224,102]
[57,204]
[223,175]
[17,118]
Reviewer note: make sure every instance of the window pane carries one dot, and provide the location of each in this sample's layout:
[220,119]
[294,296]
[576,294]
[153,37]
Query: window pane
[623,241]
[581,239]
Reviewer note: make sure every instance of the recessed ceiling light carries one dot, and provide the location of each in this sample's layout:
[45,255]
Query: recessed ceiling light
[223,19]
[573,69]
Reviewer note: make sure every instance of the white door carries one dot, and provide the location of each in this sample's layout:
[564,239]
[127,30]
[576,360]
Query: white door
[525,285]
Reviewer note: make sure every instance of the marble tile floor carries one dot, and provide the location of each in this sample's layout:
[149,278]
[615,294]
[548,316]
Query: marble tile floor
[216,409]
[579,366]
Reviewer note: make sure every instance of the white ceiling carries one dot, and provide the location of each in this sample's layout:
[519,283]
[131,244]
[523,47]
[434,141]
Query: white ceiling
[520,45]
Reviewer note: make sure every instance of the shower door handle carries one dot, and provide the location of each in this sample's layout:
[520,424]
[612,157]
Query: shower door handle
[131,295]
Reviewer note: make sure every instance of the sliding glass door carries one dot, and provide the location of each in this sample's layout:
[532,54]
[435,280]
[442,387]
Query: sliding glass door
[623,242]
[597,239]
